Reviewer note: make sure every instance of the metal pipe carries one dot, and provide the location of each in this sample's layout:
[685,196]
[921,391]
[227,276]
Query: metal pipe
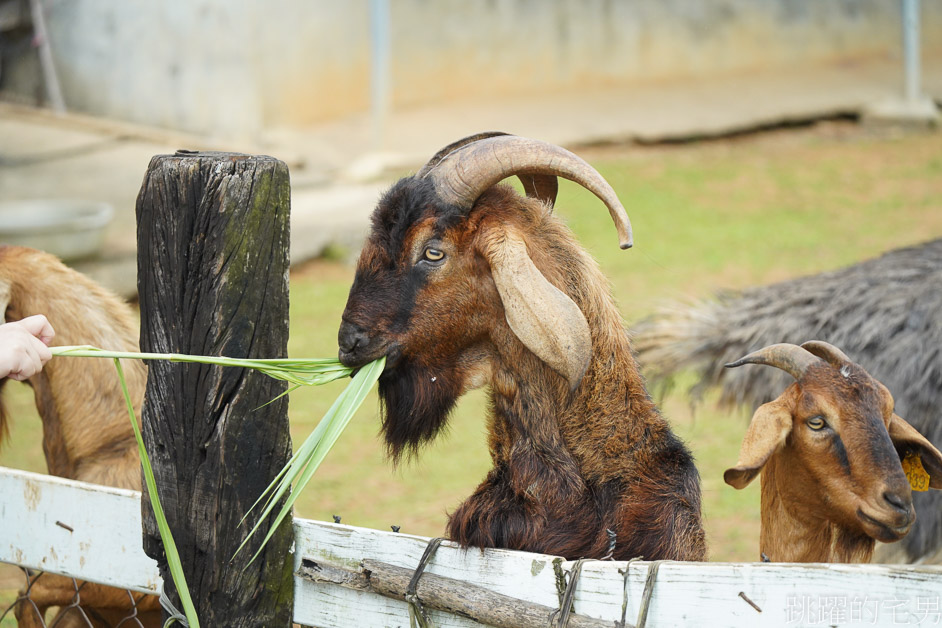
[911,87]
[51,79]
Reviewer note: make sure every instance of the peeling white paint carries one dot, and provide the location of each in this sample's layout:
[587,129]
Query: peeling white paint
[105,522]
[31,494]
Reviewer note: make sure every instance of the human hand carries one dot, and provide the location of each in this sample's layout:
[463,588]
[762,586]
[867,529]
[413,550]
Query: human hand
[23,347]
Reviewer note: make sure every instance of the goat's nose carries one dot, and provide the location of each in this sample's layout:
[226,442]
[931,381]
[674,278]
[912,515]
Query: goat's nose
[898,501]
[350,337]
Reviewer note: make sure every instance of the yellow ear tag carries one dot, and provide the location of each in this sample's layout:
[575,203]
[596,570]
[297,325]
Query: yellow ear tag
[915,473]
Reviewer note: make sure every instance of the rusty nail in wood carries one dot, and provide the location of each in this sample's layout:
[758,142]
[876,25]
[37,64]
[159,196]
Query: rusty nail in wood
[750,602]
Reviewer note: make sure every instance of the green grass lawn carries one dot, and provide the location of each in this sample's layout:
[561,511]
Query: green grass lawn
[706,217]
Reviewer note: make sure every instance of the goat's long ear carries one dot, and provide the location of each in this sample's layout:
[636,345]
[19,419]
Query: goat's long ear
[768,429]
[906,438]
[541,315]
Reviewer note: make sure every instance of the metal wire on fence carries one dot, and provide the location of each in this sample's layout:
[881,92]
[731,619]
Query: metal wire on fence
[104,607]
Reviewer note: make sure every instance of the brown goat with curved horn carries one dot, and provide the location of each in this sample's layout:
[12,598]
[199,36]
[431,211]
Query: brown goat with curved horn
[885,311]
[462,284]
[830,450]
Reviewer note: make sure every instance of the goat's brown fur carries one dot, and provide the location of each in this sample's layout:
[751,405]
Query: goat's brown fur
[568,464]
[828,493]
[86,433]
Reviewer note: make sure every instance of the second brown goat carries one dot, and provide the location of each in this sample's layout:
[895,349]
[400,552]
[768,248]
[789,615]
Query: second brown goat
[830,451]
[86,432]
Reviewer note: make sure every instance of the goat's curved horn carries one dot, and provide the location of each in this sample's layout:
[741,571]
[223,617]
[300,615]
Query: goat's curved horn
[474,164]
[826,351]
[790,358]
[437,157]
[541,186]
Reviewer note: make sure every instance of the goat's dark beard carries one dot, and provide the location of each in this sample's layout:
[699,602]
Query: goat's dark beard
[416,402]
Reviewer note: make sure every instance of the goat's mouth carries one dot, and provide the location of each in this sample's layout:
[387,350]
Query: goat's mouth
[356,359]
[892,528]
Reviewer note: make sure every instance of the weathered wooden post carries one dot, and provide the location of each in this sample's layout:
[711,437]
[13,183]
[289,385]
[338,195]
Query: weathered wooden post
[212,234]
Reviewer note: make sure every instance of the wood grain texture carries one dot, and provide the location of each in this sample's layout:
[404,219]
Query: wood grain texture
[213,262]
[446,594]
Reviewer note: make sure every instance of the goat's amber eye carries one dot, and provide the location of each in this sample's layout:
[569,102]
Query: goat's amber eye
[816,423]
[434,255]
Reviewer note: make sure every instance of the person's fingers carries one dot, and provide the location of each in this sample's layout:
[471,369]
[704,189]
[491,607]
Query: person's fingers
[37,333]
[22,353]
[39,326]
[43,354]
[26,361]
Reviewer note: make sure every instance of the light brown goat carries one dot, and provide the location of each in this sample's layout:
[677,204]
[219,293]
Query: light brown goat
[830,450]
[86,432]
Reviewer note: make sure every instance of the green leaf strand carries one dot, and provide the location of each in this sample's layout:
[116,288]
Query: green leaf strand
[170,548]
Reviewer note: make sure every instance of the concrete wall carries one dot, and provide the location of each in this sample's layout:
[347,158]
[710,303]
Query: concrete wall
[233,67]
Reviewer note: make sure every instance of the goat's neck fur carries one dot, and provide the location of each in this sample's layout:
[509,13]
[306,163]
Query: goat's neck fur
[534,410]
[791,531]
[86,430]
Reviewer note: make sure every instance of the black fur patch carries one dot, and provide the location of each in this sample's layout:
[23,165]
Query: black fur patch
[666,506]
[404,204]
[495,516]
[841,452]
[409,287]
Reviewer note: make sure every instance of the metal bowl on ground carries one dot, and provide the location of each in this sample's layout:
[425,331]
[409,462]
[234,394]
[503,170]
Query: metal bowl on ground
[69,229]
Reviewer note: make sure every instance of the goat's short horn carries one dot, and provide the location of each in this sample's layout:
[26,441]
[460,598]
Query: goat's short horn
[462,171]
[790,358]
[826,351]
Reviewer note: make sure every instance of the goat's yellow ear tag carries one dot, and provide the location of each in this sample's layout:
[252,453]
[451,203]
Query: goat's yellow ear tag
[915,473]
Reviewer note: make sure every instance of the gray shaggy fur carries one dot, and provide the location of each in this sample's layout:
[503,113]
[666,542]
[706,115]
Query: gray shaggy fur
[885,313]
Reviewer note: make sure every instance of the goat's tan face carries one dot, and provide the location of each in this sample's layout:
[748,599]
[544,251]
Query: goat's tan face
[837,447]
[840,438]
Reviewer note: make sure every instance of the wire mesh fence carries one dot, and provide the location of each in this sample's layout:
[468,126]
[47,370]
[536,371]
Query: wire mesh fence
[49,600]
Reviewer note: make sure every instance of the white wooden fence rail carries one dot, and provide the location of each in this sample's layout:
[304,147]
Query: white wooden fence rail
[94,533]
